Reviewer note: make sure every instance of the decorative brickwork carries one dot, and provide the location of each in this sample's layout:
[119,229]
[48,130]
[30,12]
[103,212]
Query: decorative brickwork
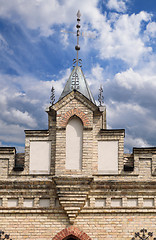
[78,113]
[71,231]
[72,193]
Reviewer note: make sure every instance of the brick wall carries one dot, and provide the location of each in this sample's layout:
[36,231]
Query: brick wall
[97,227]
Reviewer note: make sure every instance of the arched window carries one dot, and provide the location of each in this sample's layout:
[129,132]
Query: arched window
[74,140]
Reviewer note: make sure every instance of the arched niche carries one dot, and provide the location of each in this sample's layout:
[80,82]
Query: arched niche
[74,143]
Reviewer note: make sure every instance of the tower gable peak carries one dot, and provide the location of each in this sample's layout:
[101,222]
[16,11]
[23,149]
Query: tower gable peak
[77,82]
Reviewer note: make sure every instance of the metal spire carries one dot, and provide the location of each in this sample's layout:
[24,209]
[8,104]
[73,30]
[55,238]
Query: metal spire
[100,96]
[52,97]
[77,47]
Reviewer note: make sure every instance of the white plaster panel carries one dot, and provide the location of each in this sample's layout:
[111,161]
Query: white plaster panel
[116,202]
[148,202]
[108,157]
[28,202]
[44,202]
[74,138]
[100,202]
[12,202]
[40,154]
[132,202]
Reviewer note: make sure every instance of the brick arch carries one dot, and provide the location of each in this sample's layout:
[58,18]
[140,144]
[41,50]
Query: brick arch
[73,232]
[77,112]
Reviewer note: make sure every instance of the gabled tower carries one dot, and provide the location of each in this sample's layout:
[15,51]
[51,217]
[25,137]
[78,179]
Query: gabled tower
[74,123]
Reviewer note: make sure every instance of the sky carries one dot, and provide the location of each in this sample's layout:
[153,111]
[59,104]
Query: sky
[118,51]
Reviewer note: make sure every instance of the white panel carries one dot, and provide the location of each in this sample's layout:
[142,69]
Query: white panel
[132,202]
[40,153]
[116,202]
[28,202]
[0,201]
[100,202]
[108,157]
[74,138]
[12,202]
[44,202]
[148,202]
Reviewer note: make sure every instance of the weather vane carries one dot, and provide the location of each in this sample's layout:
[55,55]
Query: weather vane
[77,47]
[100,96]
[78,61]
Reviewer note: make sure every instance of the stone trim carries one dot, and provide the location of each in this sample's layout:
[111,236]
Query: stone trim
[78,113]
[36,133]
[7,150]
[71,231]
[110,132]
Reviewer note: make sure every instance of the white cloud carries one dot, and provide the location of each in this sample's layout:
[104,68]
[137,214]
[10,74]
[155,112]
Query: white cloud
[4,45]
[138,79]
[24,109]
[23,117]
[95,78]
[122,40]
[39,14]
[129,79]
[64,38]
[118,5]
[131,142]
[12,133]
[151,30]
[125,113]
[118,34]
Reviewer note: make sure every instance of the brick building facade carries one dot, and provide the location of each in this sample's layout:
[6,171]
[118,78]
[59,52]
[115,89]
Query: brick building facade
[74,180]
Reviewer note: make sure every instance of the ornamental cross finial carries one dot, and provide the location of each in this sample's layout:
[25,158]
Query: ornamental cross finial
[4,236]
[52,98]
[143,235]
[77,47]
[100,96]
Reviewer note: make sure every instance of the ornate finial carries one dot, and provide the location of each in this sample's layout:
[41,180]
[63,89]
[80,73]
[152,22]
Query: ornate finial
[100,96]
[75,81]
[142,235]
[77,47]
[4,236]
[52,98]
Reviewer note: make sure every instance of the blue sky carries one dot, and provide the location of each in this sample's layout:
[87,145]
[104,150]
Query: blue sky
[118,52]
